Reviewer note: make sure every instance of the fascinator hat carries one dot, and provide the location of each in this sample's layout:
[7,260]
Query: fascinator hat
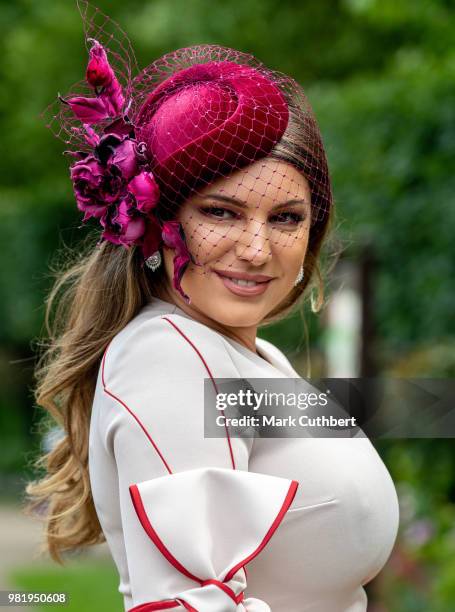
[142,141]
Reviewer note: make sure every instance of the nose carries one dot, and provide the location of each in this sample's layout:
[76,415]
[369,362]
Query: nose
[254,243]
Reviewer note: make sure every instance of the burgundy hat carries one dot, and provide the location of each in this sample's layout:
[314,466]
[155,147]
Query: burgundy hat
[207,120]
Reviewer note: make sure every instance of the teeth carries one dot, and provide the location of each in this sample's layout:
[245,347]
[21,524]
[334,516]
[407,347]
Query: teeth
[242,282]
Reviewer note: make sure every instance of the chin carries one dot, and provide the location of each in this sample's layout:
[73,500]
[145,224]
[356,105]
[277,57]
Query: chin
[237,315]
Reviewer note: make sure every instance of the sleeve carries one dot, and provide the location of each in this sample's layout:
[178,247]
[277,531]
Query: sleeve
[192,516]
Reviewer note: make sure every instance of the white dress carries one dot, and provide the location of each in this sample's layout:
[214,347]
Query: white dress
[226,524]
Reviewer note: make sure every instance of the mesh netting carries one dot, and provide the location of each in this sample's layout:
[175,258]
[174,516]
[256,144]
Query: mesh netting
[205,150]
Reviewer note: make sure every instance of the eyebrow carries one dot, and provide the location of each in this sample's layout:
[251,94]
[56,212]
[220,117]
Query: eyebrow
[231,200]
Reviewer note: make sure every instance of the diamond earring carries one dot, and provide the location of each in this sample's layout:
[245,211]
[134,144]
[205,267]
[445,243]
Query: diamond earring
[154,261]
[300,276]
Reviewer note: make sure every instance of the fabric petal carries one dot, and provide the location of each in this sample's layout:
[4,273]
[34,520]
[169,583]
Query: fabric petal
[99,72]
[180,265]
[124,226]
[145,190]
[120,127]
[174,238]
[91,209]
[124,158]
[88,110]
[151,240]
[112,96]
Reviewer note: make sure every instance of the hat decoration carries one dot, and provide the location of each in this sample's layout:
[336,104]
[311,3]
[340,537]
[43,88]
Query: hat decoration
[113,181]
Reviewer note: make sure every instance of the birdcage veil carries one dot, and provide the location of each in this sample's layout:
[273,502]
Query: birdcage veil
[144,142]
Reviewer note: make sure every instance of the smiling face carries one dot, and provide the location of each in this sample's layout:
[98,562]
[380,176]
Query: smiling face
[253,224]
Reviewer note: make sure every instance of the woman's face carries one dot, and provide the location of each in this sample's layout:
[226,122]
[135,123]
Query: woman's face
[254,222]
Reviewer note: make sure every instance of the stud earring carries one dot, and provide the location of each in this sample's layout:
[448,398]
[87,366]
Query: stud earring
[154,261]
[300,276]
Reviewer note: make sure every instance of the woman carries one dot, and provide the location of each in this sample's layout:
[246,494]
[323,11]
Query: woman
[208,176]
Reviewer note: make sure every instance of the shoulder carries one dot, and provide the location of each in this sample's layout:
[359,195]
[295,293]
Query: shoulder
[166,346]
[271,351]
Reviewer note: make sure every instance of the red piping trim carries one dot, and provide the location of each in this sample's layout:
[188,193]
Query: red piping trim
[156,605]
[174,603]
[187,606]
[224,587]
[284,508]
[212,379]
[163,605]
[142,515]
[149,437]
[135,417]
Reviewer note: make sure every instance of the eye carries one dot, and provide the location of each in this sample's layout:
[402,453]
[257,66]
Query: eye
[293,217]
[218,212]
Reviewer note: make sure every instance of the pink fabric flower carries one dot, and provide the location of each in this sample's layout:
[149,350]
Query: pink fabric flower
[126,223]
[124,226]
[174,238]
[93,187]
[109,183]
[118,154]
[99,73]
[109,99]
[101,179]
[145,190]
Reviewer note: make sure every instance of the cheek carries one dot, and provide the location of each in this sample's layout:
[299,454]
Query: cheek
[290,249]
[208,241]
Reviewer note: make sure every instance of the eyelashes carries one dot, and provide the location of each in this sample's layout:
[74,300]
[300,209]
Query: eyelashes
[213,212]
[210,211]
[295,217]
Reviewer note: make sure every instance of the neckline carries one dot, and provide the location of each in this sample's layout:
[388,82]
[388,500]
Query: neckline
[263,355]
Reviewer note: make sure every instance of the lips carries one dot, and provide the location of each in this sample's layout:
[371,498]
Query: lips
[259,278]
[243,284]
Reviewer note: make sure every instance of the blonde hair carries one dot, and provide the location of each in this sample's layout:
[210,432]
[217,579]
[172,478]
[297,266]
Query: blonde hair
[96,292]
